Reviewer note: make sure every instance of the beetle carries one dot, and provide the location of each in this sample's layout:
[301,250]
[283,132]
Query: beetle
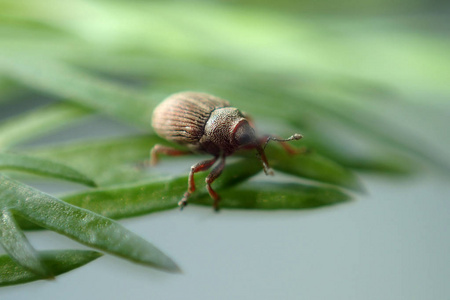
[207,124]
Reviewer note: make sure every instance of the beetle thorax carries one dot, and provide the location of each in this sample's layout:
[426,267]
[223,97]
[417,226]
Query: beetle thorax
[218,135]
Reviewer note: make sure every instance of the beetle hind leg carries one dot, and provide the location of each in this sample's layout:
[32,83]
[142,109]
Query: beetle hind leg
[161,149]
[201,166]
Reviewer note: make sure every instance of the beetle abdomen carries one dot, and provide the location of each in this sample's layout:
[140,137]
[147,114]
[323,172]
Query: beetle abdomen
[182,117]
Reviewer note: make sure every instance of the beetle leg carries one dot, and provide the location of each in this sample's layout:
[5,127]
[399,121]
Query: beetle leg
[265,162]
[157,149]
[210,179]
[201,166]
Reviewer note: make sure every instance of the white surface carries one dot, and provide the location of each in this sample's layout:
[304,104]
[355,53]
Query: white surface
[392,244]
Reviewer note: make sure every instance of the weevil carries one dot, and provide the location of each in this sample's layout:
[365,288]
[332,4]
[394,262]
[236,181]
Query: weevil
[207,124]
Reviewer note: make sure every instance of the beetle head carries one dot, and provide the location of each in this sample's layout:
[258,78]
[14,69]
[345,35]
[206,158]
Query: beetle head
[227,130]
[244,136]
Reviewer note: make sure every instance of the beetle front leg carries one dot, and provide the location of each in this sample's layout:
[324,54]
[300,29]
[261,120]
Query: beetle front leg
[201,166]
[215,173]
[161,149]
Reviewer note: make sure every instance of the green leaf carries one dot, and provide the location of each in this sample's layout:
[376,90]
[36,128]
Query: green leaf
[375,159]
[110,161]
[81,225]
[37,122]
[17,246]
[9,91]
[366,119]
[122,155]
[269,195]
[313,166]
[156,195]
[42,167]
[59,262]
[309,101]
[378,157]
[324,119]
[67,82]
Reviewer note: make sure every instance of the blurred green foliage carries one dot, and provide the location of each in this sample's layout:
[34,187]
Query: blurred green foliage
[347,75]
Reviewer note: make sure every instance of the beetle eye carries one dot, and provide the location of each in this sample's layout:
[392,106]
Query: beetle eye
[244,134]
[244,139]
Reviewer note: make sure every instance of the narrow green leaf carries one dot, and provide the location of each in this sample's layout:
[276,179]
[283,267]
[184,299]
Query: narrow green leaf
[110,161]
[269,195]
[109,154]
[19,248]
[152,196]
[312,166]
[305,102]
[42,167]
[37,122]
[375,159]
[79,224]
[67,82]
[131,200]
[354,118]
[9,91]
[370,122]
[390,162]
[60,261]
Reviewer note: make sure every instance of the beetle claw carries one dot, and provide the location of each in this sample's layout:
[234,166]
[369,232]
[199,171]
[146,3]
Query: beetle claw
[269,172]
[183,202]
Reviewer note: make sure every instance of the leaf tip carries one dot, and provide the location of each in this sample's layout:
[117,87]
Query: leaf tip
[358,186]
[91,183]
[169,265]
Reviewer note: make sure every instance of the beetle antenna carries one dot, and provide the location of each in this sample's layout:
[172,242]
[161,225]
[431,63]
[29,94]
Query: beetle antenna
[294,137]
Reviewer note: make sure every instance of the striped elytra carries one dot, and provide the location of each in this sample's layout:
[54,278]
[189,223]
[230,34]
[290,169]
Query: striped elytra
[182,117]
[206,124]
